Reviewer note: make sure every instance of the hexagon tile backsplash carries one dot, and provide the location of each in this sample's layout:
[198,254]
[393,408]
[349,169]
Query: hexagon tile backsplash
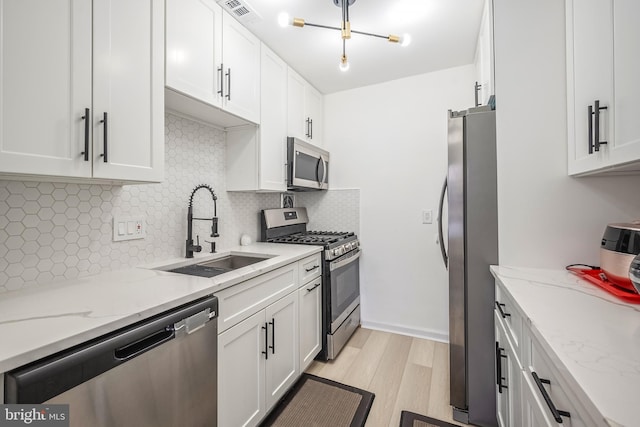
[54,231]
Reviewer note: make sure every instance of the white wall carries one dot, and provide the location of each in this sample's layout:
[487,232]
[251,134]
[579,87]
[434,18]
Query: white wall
[546,219]
[389,140]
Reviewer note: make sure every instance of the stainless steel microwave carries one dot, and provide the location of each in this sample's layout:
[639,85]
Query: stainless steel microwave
[307,166]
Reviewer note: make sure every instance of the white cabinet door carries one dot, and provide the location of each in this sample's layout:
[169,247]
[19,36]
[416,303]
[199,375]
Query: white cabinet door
[484,55]
[314,106]
[256,156]
[282,363]
[45,86]
[297,122]
[305,110]
[534,412]
[589,78]
[241,68]
[509,374]
[273,122]
[241,368]
[194,49]
[128,94]
[626,37]
[310,301]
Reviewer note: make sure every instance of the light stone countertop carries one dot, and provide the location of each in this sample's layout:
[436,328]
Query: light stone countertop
[39,321]
[592,336]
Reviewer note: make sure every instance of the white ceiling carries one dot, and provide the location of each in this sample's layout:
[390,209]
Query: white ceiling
[443,32]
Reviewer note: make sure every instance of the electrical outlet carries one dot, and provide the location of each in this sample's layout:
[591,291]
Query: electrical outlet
[128,228]
[427,217]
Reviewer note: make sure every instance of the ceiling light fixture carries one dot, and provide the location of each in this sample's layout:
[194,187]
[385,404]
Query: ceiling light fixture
[345,30]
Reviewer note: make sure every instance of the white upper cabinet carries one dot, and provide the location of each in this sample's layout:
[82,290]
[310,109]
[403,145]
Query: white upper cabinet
[194,50]
[256,156]
[602,65]
[128,90]
[65,67]
[45,86]
[484,56]
[626,49]
[212,58]
[241,68]
[305,110]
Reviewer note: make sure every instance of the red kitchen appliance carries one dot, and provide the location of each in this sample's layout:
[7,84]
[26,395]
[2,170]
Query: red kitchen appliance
[620,245]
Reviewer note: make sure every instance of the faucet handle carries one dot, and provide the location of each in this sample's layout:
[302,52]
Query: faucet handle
[197,247]
[213,246]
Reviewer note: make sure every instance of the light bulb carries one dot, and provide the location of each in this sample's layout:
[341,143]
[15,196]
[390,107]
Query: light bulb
[283,19]
[344,64]
[405,40]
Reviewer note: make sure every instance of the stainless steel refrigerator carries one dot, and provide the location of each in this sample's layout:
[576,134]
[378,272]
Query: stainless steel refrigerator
[472,226]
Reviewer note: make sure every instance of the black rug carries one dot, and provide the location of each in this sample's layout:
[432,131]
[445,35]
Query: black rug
[410,419]
[319,402]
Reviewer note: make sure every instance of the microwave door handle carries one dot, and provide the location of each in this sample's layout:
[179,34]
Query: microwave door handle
[318,171]
[324,171]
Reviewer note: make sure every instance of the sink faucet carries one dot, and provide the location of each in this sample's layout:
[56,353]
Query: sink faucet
[191,248]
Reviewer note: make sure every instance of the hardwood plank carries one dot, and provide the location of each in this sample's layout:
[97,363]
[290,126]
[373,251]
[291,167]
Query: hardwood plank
[413,394]
[335,369]
[359,337]
[439,401]
[421,352]
[405,374]
[366,363]
[386,381]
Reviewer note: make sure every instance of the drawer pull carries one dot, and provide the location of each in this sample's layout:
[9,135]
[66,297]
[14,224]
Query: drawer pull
[557,414]
[85,153]
[317,284]
[266,341]
[499,376]
[273,336]
[503,313]
[311,269]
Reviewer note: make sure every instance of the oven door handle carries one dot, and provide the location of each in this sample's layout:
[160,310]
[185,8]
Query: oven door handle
[338,264]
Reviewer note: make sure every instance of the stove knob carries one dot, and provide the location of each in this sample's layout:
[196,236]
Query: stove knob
[336,252]
[347,246]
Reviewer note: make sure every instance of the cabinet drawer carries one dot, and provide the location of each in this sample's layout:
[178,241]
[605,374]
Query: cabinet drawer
[556,388]
[510,317]
[238,302]
[309,268]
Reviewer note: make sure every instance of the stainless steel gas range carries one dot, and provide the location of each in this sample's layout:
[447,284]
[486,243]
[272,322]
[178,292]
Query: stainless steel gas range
[341,272]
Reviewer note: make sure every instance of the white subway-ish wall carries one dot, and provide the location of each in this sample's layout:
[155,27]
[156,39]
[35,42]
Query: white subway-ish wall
[546,218]
[390,141]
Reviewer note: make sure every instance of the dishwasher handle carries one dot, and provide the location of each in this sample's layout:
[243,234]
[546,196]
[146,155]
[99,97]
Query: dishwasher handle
[53,375]
[131,350]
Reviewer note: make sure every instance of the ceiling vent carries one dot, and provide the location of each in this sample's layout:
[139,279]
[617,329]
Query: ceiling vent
[241,10]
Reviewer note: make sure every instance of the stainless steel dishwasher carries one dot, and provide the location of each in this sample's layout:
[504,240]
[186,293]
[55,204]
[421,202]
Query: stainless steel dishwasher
[158,372]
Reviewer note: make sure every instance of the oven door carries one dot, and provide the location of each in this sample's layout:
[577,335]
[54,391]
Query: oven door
[344,278]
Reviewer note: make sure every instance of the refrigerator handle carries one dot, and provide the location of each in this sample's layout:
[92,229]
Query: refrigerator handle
[445,258]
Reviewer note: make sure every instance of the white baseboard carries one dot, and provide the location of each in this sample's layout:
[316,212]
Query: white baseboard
[403,330]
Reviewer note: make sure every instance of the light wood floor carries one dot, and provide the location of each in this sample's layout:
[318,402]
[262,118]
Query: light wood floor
[405,373]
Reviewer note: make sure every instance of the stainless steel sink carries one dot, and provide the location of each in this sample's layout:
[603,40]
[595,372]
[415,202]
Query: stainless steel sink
[220,265]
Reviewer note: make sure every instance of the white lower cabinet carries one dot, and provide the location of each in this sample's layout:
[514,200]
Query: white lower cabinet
[241,366]
[536,394]
[263,325]
[281,367]
[310,304]
[508,376]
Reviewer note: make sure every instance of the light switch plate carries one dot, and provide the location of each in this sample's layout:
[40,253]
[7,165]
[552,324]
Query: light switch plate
[128,228]
[427,216]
